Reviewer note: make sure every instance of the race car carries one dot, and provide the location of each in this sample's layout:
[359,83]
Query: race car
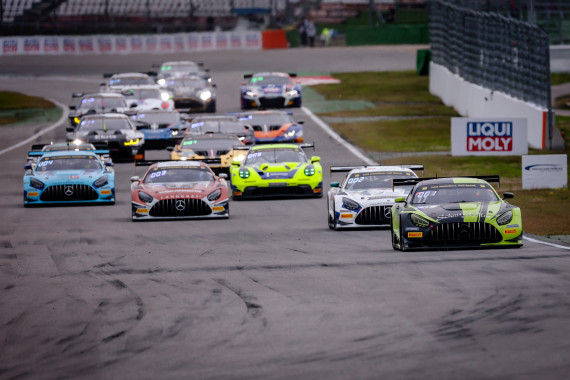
[270,90]
[96,104]
[119,82]
[218,150]
[116,130]
[64,177]
[365,196]
[192,94]
[179,190]
[147,97]
[226,124]
[178,69]
[273,126]
[459,212]
[277,170]
[158,128]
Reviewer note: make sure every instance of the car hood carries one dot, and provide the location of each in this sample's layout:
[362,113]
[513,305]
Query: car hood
[282,170]
[463,211]
[179,190]
[185,91]
[378,194]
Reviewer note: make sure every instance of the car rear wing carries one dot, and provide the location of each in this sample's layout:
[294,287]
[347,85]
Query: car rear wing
[336,169]
[240,147]
[149,73]
[413,181]
[307,145]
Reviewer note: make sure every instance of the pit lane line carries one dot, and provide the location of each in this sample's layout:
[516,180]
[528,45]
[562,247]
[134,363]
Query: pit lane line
[354,150]
[62,119]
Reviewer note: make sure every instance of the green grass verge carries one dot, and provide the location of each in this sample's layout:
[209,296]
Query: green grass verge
[417,135]
[397,109]
[18,108]
[15,101]
[559,78]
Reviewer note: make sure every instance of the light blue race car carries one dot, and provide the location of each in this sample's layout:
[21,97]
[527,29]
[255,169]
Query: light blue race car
[64,177]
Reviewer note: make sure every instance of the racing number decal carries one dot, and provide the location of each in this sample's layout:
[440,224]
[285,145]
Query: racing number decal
[355,180]
[253,155]
[45,163]
[157,174]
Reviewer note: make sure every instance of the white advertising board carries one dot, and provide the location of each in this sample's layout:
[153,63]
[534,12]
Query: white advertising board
[488,137]
[545,171]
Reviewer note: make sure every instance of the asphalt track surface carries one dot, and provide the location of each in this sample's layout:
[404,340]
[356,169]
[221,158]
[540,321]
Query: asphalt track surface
[271,292]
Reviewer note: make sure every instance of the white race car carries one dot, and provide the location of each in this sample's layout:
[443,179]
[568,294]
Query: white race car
[364,198]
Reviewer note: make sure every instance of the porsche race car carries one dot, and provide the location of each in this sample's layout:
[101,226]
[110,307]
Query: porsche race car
[365,197]
[277,170]
[447,213]
[270,90]
[179,190]
[273,126]
[65,177]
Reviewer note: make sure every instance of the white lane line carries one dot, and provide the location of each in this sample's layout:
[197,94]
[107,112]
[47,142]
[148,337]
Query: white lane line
[338,138]
[546,243]
[61,120]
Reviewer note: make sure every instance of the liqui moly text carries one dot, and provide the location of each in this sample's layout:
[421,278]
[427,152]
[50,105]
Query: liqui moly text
[490,136]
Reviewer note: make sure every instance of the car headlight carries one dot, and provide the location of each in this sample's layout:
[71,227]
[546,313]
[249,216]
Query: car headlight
[145,197]
[161,82]
[419,221]
[349,204]
[36,183]
[249,93]
[244,173]
[76,120]
[205,95]
[100,182]
[77,142]
[239,157]
[214,195]
[132,142]
[309,170]
[505,218]
[165,96]
[292,93]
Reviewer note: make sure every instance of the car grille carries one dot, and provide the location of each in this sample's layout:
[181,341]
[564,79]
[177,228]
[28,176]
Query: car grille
[374,215]
[180,207]
[272,102]
[187,103]
[58,193]
[464,233]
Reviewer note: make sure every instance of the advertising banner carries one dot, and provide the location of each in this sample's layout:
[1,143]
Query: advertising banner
[120,44]
[545,171]
[488,137]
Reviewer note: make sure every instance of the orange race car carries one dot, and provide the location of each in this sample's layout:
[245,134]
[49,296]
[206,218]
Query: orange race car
[273,126]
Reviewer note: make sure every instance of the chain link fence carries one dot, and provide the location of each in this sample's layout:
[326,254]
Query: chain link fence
[493,51]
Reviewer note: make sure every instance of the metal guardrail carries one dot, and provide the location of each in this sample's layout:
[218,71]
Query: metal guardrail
[493,51]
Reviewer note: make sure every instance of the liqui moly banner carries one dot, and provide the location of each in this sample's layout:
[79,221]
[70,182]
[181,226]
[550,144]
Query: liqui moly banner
[118,44]
[488,137]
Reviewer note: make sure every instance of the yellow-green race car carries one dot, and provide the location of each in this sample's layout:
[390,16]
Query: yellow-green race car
[277,170]
[453,213]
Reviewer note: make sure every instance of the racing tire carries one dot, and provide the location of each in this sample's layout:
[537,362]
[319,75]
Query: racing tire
[211,107]
[332,222]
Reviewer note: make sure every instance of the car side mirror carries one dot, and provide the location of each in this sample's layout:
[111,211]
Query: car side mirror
[169,148]
[236,163]
[70,129]
[135,178]
[134,105]
[72,107]
[335,184]
[108,163]
[508,195]
[215,85]
[223,175]
[400,200]
[102,84]
[28,167]
[315,159]
[300,122]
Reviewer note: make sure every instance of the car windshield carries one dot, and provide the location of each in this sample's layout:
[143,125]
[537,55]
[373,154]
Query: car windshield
[104,124]
[144,94]
[263,80]
[454,193]
[48,164]
[266,122]
[99,103]
[202,144]
[178,174]
[157,117]
[127,81]
[217,126]
[187,82]
[272,156]
[374,180]
[68,146]
[188,67]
